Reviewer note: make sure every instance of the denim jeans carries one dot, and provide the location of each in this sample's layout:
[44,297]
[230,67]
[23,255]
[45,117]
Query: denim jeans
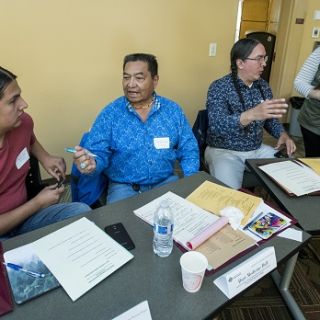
[49,215]
[119,191]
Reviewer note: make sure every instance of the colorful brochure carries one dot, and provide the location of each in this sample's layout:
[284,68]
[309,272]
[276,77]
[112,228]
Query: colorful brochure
[266,225]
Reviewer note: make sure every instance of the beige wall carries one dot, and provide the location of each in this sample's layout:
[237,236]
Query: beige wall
[68,55]
[307,44]
[288,45]
[294,44]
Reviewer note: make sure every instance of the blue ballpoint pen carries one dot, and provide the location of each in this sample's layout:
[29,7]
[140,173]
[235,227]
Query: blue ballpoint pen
[20,268]
[73,150]
[253,220]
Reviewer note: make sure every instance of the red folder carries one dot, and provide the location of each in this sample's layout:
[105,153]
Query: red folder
[6,304]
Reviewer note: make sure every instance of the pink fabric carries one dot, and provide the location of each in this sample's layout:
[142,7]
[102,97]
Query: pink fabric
[13,191]
[207,233]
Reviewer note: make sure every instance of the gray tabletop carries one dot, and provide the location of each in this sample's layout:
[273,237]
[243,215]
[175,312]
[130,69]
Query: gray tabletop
[305,209]
[146,277]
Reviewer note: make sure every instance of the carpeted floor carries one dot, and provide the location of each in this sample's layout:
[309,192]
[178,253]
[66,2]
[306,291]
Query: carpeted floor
[263,302]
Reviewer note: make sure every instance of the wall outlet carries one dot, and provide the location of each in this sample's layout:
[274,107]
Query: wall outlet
[212,49]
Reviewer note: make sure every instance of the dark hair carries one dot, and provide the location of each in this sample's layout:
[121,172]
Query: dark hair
[150,59]
[241,50]
[6,77]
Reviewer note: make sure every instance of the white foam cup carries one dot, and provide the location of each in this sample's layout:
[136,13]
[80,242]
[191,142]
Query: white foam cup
[193,266]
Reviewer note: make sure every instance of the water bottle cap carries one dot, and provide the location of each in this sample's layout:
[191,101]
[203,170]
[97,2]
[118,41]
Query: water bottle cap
[164,203]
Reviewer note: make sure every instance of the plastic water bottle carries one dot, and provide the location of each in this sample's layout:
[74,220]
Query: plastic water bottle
[163,230]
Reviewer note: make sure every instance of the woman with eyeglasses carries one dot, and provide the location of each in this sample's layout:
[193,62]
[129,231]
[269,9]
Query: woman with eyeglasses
[307,83]
[240,105]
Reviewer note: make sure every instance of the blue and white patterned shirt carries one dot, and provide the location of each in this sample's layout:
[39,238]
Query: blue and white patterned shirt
[126,147]
[224,110]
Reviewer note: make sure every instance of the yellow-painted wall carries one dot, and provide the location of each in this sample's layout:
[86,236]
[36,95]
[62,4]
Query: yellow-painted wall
[294,44]
[68,55]
[307,44]
[288,46]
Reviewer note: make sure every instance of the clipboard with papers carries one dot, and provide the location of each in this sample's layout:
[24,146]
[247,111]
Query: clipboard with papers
[295,177]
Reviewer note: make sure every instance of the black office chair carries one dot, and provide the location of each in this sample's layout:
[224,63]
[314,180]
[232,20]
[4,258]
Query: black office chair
[199,129]
[34,183]
[200,132]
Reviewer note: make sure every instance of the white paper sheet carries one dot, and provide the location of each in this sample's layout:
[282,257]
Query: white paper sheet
[80,255]
[140,312]
[291,234]
[293,176]
[189,219]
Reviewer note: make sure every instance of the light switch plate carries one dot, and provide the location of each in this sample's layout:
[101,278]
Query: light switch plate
[212,49]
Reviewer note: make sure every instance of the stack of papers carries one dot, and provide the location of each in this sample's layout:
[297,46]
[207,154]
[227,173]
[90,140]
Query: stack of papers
[191,221]
[213,197]
[192,225]
[294,177]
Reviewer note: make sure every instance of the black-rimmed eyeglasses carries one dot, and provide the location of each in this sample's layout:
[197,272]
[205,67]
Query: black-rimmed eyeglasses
[259,59]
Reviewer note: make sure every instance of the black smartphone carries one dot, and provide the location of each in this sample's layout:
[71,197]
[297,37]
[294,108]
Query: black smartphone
[282,153]
[118,232]
[60,182]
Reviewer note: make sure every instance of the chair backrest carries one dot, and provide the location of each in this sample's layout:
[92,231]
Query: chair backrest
[33,180]
[85,188]
[199,129]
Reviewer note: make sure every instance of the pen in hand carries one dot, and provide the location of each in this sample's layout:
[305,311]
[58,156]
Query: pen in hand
[73,150]
[16,267]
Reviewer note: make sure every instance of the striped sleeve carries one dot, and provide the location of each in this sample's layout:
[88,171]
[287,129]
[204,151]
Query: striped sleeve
[302,82]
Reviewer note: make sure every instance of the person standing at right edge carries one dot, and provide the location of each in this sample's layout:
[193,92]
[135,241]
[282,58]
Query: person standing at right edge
[240,106]
[307,83]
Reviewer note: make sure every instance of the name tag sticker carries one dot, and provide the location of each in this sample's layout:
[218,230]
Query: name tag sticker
[242,276]
[22,158]
[161,143]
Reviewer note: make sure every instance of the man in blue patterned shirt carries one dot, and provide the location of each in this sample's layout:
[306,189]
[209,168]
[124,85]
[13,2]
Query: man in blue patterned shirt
[240,106]
[138,137]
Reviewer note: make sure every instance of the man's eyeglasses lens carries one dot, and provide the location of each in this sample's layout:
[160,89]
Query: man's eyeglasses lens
[259,59]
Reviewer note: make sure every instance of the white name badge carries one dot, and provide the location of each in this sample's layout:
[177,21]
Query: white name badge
[161,143]
[22,158]
[241,277]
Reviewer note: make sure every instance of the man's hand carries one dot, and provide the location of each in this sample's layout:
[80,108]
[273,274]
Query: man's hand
[288,142]
[55,166]
[315,94]
[268,109]
[48,196]
[84,162]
